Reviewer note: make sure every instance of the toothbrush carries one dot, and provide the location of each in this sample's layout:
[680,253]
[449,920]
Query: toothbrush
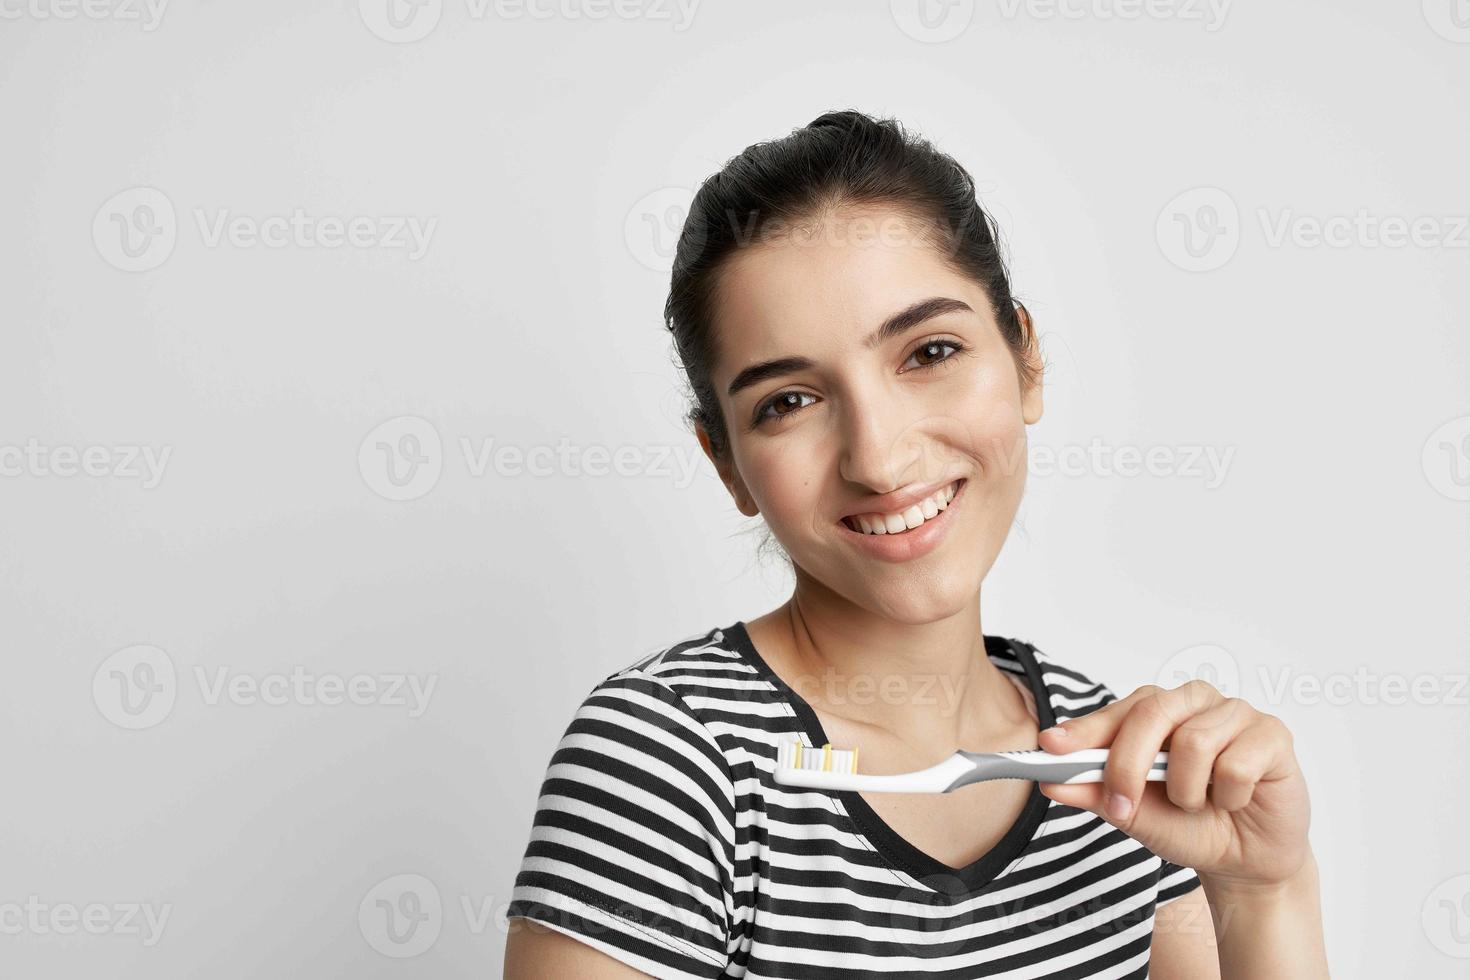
[836,769]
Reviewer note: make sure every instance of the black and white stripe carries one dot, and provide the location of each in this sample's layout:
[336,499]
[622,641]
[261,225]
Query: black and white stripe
[661,839]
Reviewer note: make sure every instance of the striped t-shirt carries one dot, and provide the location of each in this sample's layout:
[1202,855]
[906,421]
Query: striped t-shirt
[661,839]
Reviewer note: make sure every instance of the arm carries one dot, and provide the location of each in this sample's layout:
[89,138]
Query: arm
[533,951]
[1270,930]
[1184,943]
[1234,808]
[631,848]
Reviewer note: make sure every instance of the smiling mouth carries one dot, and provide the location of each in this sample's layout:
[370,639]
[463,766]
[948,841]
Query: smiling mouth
[907,520]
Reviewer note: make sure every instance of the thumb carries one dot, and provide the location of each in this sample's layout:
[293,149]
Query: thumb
[1152,820]
[1084,796]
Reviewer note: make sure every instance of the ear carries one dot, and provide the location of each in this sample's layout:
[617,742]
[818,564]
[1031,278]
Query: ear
[1031,396]
[729,474]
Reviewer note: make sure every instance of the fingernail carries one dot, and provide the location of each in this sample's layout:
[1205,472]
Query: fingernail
[1119,806]
[1056,730]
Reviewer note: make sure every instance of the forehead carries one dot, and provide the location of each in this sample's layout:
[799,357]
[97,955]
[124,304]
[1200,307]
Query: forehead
[823,286]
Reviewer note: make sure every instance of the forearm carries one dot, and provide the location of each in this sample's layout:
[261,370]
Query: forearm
[1269,931]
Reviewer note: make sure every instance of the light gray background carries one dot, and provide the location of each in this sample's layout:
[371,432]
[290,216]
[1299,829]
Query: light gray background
[550,149]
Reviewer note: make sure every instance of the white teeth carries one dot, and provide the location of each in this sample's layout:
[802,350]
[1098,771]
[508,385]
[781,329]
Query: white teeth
[924,510]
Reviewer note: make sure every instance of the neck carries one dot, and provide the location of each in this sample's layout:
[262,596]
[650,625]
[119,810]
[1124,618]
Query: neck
[927,684]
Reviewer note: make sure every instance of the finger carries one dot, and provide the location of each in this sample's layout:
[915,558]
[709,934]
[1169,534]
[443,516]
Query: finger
[1156,821]
[1259,752]
[1141,736]
[1194,745]
[1094,729]
[1084,796]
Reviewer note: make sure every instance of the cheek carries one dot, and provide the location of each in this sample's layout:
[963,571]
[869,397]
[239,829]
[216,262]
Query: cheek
[996,425]
[783,477]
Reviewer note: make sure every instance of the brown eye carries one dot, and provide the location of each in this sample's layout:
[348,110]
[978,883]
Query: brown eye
[782,405]
[931,353]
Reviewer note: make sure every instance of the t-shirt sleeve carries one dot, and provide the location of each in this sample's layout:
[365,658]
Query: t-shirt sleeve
[1175,881]
[632,846]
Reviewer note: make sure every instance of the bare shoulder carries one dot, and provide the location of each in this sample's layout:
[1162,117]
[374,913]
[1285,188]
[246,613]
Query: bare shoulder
[534,950]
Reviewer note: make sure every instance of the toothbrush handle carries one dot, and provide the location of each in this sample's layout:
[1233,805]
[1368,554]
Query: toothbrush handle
[1082,766]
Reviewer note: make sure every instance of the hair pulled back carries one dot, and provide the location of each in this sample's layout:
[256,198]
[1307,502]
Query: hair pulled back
[840,159]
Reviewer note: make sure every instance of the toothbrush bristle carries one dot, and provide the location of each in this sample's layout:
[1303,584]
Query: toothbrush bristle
[793,755]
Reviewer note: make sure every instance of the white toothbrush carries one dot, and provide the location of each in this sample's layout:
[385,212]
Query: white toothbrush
[836,769]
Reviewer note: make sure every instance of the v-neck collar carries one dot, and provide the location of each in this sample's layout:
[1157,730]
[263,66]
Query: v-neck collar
[928,870]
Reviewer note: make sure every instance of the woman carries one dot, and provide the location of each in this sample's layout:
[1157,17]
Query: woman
[862,378]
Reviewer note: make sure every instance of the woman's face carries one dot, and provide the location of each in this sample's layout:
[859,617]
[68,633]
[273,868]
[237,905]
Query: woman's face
[841,426]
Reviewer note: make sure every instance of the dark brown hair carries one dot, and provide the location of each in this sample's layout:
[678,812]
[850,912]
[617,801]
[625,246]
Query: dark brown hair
[840,159]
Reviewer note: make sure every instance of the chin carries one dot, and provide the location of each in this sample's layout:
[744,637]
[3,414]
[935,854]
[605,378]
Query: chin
[917,607]
[915,599]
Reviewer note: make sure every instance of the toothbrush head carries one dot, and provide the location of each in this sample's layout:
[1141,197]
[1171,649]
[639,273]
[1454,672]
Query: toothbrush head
[792,756]
[836,769]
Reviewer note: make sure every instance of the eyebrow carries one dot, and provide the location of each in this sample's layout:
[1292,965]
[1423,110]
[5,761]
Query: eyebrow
[900,323]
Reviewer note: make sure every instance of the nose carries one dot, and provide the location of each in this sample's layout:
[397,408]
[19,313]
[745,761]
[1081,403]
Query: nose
[882,446]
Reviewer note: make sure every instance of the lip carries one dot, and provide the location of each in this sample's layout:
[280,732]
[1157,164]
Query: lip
[908,545]
[896,503]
